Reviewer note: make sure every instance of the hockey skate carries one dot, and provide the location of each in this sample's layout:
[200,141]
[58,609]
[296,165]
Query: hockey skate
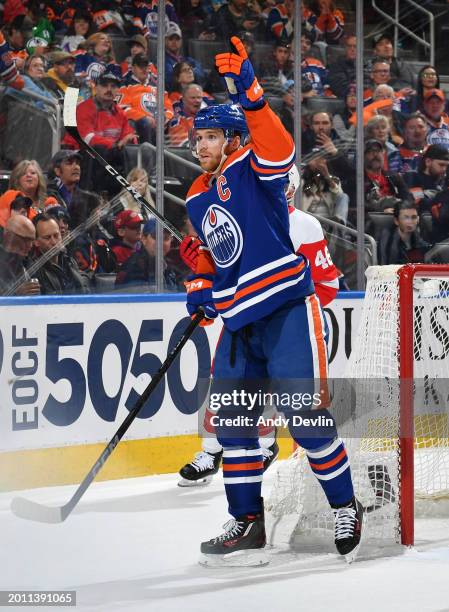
[201,470]
[348,529]
[241,545]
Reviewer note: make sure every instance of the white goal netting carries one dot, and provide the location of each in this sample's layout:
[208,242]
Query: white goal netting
[370,424]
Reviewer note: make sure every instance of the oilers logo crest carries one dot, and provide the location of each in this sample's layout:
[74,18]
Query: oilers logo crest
[223,236]
[148,103]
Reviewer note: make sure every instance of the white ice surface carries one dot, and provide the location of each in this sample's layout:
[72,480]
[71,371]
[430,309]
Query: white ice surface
[133,546]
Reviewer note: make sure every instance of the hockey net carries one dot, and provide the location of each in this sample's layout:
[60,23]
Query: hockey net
[397,436]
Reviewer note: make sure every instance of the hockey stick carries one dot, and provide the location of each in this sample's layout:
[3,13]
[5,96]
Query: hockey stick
[33,511]
[70,102]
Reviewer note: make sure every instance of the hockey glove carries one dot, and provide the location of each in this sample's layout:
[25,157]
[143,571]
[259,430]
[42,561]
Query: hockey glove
[188,249]
[241,81]
[199,294]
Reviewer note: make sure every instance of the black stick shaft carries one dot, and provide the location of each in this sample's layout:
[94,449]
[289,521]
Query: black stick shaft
[70,505]
[73,131]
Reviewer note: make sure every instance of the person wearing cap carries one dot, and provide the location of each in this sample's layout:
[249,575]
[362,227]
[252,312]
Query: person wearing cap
[65,174]
[138,46]
[16,245]
[341,73]
[128,228]
[382,188]
[14,202]
[61,75]
[400,74]
[174,54]
[140,268]
[62,217]
[434,103]
[138,100]
[431,177]
[312,68]
[104,126]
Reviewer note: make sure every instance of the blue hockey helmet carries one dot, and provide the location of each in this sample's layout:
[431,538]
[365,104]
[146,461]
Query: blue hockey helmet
[227,117]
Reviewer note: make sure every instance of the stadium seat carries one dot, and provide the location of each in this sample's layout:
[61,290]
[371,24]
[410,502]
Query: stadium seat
[204,51]
[334,53]
[262,52]
[120,47]
[105,282]
[380,222]
[275,103]
[415,67]
[328,105]
[425,220]
[439,253]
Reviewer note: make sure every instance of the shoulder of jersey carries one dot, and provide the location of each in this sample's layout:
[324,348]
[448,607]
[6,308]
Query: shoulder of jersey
[309,227]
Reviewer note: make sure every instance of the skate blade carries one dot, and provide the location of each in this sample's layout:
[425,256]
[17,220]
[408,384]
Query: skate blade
[201,482]
[351,557]
[240,558]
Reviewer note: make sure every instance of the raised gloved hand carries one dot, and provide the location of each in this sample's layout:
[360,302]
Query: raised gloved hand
[199,295]
[241,81]
[188,249]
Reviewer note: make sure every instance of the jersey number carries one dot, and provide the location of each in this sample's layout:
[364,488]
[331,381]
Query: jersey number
[323,258]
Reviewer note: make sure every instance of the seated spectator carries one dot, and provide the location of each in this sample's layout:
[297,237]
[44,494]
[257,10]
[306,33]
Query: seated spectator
[278,69]
[62,218]
[192,15]
[58,273]
[65,175]
[27,177]
[185,111]
[319,133]
[287,113]
[138,45]
[280,21]
[342,123]
[428,79]
[174,55]
[233,17]
[182,76]
[18,239]
[326,21]
[382,188]
[80,28]
[128,227]
[312,69]
[15,33]
[379,75]
[137,178]
[440,216]
[9,74]
[98,59]
[139,269]
[402,243]
[436,118]
[400,73]
[148,14]
[104,125]
[139,101]
[142,71]
[431,177]
[414,131]
[322,193]
[61,75]
[33,81]
[378,128]
[14,203]
[341,74]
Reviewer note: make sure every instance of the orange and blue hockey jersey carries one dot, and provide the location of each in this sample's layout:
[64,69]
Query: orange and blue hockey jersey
[243,218]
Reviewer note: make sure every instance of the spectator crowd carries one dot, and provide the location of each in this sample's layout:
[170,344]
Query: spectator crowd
[68,227]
